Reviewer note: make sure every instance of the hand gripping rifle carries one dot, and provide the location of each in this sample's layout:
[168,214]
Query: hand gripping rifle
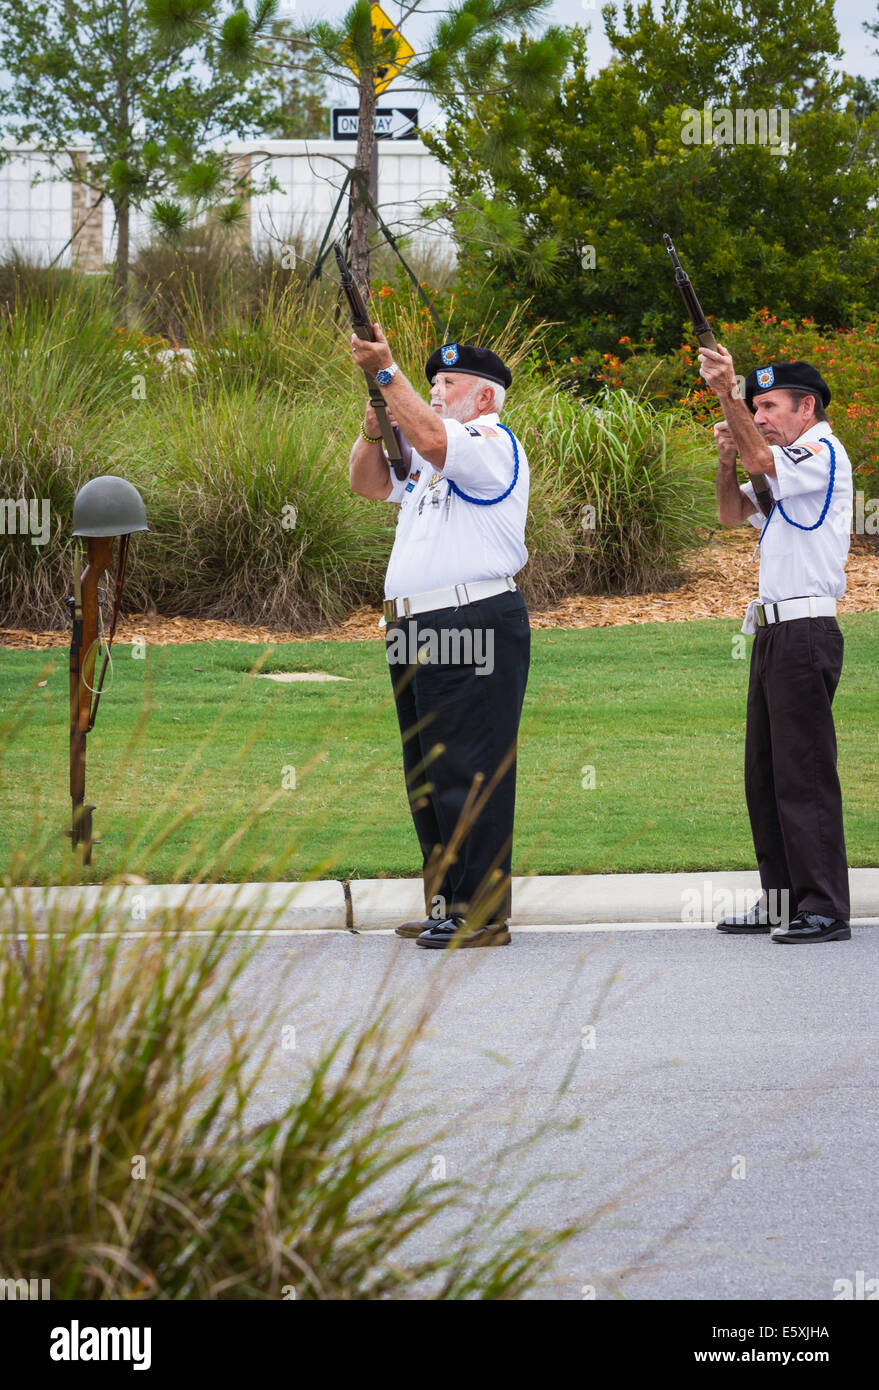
[105,508]
[362,323]
[707,340]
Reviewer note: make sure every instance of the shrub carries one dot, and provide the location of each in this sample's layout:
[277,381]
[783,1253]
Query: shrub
[65,383]
[633,488]
[847,358]
[252,517]
[132,1164]
[243,462]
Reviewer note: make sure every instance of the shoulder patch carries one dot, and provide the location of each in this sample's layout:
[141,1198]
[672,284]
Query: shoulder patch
[798,452]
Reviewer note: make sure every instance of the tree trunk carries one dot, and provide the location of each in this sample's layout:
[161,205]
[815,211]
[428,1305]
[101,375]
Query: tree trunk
[122,210]
[360,184]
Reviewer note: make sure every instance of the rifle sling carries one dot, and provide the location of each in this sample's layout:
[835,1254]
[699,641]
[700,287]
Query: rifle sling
[117,603]
[389,438]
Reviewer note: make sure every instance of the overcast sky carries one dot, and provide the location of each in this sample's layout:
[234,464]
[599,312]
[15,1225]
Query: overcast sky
[857,46]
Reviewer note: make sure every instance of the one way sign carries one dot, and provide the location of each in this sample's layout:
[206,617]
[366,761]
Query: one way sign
[391,123]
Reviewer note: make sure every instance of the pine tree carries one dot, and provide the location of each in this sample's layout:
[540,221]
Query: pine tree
[146,94]
[464,58]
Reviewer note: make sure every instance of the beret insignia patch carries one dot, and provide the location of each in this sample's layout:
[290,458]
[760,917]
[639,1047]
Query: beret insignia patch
[765,377]
[450,354]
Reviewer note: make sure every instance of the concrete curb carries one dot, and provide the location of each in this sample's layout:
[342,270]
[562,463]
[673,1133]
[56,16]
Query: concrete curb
[378,904]
[288,906]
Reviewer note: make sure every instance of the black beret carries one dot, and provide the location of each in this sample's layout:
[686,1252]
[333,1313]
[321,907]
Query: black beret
[785,376]
[474,361]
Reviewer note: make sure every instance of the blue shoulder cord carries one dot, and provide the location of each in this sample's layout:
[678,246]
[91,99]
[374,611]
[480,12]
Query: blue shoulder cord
[491,501]
[816,524]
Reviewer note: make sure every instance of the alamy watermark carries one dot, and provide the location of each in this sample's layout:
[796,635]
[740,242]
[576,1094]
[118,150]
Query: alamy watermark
[709,904]
[78,1343]
[451,646]
[857,1289]
[25,1289]
[726,125]
[863,520]
[20,517]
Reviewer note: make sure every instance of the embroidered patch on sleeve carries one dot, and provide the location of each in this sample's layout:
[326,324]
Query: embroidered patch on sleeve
[798,452]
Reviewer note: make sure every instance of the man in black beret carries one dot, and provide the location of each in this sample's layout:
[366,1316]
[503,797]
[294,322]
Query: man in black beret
[800,500]
[457,633]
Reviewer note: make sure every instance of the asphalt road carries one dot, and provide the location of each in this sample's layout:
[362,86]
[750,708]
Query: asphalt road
[716,1131]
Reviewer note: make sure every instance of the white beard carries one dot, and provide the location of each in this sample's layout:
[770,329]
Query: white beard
[464,410]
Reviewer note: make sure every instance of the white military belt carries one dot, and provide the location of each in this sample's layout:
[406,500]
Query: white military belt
[764,614]
[446,598]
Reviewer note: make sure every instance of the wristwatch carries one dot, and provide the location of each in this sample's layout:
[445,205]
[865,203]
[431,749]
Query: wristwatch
[387,374]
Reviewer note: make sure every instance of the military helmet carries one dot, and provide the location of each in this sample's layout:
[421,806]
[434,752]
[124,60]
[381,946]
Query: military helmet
[108,506]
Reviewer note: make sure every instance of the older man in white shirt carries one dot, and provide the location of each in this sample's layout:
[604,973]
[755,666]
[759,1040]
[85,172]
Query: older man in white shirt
[457,629]
[780,431]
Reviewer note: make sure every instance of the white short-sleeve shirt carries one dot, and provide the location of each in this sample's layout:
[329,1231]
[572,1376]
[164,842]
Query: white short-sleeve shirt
[443,540]
[795,563]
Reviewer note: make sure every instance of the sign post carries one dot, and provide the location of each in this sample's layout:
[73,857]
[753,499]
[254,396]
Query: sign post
[384,28]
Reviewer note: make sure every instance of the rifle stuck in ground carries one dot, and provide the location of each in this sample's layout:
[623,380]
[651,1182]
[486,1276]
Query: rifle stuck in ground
[103,509]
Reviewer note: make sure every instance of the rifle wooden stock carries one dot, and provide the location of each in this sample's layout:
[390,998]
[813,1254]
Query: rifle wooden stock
[361,322]
[706,339]
[83,653]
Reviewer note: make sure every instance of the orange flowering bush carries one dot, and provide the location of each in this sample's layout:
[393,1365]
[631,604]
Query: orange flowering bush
[848,359]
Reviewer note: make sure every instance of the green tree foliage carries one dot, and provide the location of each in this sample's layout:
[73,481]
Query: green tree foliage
[300,92]
[589,182]
[464,58]
[145,97]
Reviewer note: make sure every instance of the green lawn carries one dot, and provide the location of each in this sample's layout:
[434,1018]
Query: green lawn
[189,748]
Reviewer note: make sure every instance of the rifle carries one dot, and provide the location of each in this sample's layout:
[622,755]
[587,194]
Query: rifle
[706,339]
[83,653]
[362,323]
[104,503]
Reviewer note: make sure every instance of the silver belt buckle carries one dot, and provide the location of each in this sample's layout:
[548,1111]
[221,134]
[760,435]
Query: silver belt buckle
[459,590]
[760,613]
[390,609]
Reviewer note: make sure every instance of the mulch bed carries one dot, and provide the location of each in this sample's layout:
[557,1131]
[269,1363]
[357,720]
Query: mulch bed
[720,580]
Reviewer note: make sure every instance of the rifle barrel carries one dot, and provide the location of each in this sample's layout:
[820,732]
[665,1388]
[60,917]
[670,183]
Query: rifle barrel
[707,340]
[361,321]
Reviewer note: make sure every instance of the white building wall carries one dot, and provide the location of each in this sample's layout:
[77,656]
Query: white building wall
[35,207]
[36,217]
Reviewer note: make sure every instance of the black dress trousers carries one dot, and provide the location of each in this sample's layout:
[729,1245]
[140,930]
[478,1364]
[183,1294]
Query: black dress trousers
[791,782]
[459,714]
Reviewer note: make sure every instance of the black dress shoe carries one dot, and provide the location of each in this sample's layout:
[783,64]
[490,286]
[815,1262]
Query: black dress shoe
[455,932]
[756,919]
[416,928]
[808,926]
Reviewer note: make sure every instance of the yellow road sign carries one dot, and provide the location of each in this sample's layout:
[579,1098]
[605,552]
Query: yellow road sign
[383,27]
